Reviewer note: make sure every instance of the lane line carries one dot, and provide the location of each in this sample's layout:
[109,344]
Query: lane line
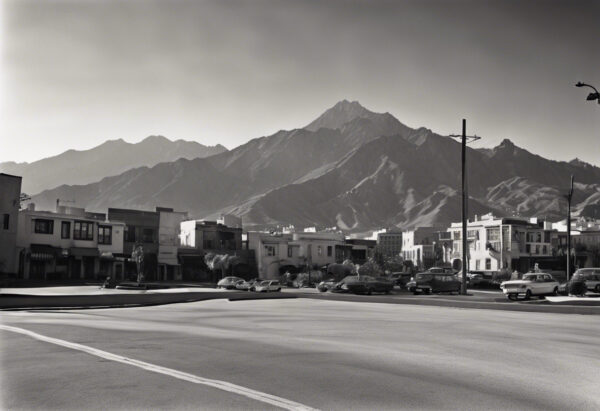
[221,385]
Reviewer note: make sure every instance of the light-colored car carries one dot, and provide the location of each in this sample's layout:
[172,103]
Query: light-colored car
[267,285]
[243,285]
[539,284]
[229,282]
[591,276]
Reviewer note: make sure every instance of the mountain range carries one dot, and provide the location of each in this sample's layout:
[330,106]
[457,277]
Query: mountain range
[352,169]
[110,158]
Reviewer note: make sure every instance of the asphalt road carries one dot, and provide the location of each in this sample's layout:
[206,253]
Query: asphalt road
[318,353]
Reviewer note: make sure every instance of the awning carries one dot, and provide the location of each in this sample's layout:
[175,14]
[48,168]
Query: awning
[84,252]
[43,252]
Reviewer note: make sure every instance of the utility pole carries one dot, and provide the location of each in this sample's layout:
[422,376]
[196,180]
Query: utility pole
[569,197]
[463,160]
[465,261]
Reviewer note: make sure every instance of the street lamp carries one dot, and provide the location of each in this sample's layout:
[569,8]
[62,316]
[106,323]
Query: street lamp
[569,196]
[592,96]
[464,137]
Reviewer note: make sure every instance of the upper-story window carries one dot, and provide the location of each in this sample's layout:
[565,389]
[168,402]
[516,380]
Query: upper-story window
[43,226]
[270,250]
[6,221]
[65,229]
[129,235]
[290,252]
[148,235]
[329,250]
[104,234]
[83,230]
[319,250]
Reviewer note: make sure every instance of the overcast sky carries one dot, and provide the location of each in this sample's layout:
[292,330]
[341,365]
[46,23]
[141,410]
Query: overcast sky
[77,73]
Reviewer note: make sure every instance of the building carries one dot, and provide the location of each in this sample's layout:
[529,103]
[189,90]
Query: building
[360,250]
[169,222]
[512,243]
[389,243]
[10,192]
[418,246]
[277,253]
[141,229]
[210,236]
[69,243]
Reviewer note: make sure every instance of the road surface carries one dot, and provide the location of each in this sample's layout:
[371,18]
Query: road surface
[294,353]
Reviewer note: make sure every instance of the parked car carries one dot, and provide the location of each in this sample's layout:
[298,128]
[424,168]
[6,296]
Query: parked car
[243,285]
[428,282]
[326,285]
[254,282]
[539,284]
[365,284]
[591,276]
[267,285]
[229,283]
[400,279]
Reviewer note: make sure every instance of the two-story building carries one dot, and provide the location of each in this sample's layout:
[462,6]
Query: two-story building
[68,243]
[10,191]
[512,243]
[418,246]
[276,253]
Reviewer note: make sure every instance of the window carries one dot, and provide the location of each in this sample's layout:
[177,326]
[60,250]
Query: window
[477,265]
[104,234]
[148,235]
[6,220]
[207,244]
[129,235]
[545,250]
[83,230]
[319,250]
[537,249]
[270,251]
[44,226]
[528,248]
[65,229]
[329,251]
[290,252]
[488,264]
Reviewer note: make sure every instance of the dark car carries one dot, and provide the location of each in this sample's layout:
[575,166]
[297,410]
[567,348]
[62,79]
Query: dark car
[365,284]
[428,283]
[400,279]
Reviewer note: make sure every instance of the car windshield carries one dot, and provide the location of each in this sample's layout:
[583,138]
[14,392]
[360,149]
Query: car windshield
[530,277]
[264,283]
[424,277]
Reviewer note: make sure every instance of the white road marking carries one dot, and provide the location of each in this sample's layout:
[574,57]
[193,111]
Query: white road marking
[221,385]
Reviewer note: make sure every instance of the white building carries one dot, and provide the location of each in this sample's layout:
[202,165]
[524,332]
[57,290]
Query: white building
[168,242]
[418,246]
[275,252]
[497,243]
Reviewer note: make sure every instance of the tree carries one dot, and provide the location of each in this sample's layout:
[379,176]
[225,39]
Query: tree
[220,262]
[137,255]
[393,264]
[23,198]
[370,268]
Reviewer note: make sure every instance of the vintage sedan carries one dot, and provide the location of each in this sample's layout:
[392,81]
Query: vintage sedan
[267,285]
[365,284]
[539,284]
[229,282]
[428,282]
[591,276]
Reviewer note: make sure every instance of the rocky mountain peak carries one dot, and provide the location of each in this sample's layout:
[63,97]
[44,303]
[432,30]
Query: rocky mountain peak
[338,115]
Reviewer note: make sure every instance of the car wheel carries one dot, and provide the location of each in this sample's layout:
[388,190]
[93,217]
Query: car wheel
[252,289]
[415,292]
[427,292]
[555,291]
[528,294]
[512,297]
[597,288]
[369,291]
[279,289]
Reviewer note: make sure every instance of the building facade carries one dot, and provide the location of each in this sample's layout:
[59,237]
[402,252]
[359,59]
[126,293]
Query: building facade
[10,192]
[389,243]
[502,243]
[69,243]
[418,246]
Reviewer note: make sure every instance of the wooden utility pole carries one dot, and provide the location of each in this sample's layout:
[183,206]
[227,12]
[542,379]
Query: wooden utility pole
[569,197]
[465,262]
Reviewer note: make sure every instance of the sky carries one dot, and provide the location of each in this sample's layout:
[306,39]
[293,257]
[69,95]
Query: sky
[74,74]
